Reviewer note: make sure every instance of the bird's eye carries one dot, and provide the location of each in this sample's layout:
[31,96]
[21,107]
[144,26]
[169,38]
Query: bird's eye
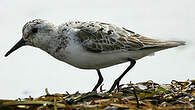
[34,30]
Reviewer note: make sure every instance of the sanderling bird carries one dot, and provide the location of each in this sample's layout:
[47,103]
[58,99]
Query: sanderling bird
[90,45]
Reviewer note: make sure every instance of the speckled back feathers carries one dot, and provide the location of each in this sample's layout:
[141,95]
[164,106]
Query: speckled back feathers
[102,37]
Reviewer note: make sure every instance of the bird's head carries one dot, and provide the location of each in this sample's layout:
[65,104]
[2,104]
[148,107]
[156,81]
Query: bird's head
[35,33]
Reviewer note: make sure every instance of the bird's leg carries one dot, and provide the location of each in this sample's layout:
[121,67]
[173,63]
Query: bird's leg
[134,92]
[117,81]
[100,80]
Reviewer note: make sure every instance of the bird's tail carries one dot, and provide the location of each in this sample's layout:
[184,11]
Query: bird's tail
[150,46]
[158,44]
[169,44]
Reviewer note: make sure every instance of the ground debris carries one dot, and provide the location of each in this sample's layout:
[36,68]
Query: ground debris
[151,95]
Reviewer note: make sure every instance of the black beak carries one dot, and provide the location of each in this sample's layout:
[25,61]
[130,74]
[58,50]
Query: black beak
[15,47]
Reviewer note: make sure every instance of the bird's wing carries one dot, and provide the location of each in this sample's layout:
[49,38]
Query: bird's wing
[103,37]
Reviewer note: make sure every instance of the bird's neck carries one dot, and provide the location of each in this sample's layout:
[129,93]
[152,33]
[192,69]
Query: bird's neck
[53,44]
[42,42]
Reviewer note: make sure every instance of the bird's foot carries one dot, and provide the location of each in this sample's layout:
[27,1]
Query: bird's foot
[116,83]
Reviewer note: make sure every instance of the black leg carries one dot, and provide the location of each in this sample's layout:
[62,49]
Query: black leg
[100,80]
[117,81]
[136,98]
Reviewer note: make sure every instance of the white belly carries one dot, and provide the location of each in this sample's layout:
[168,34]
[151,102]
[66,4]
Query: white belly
[88,60]
[76,56]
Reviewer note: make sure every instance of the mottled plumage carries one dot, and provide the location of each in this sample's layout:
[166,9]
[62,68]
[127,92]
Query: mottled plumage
[90,45]
[102,37]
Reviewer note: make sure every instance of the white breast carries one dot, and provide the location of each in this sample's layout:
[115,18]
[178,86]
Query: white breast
[75,55]
[81,58]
